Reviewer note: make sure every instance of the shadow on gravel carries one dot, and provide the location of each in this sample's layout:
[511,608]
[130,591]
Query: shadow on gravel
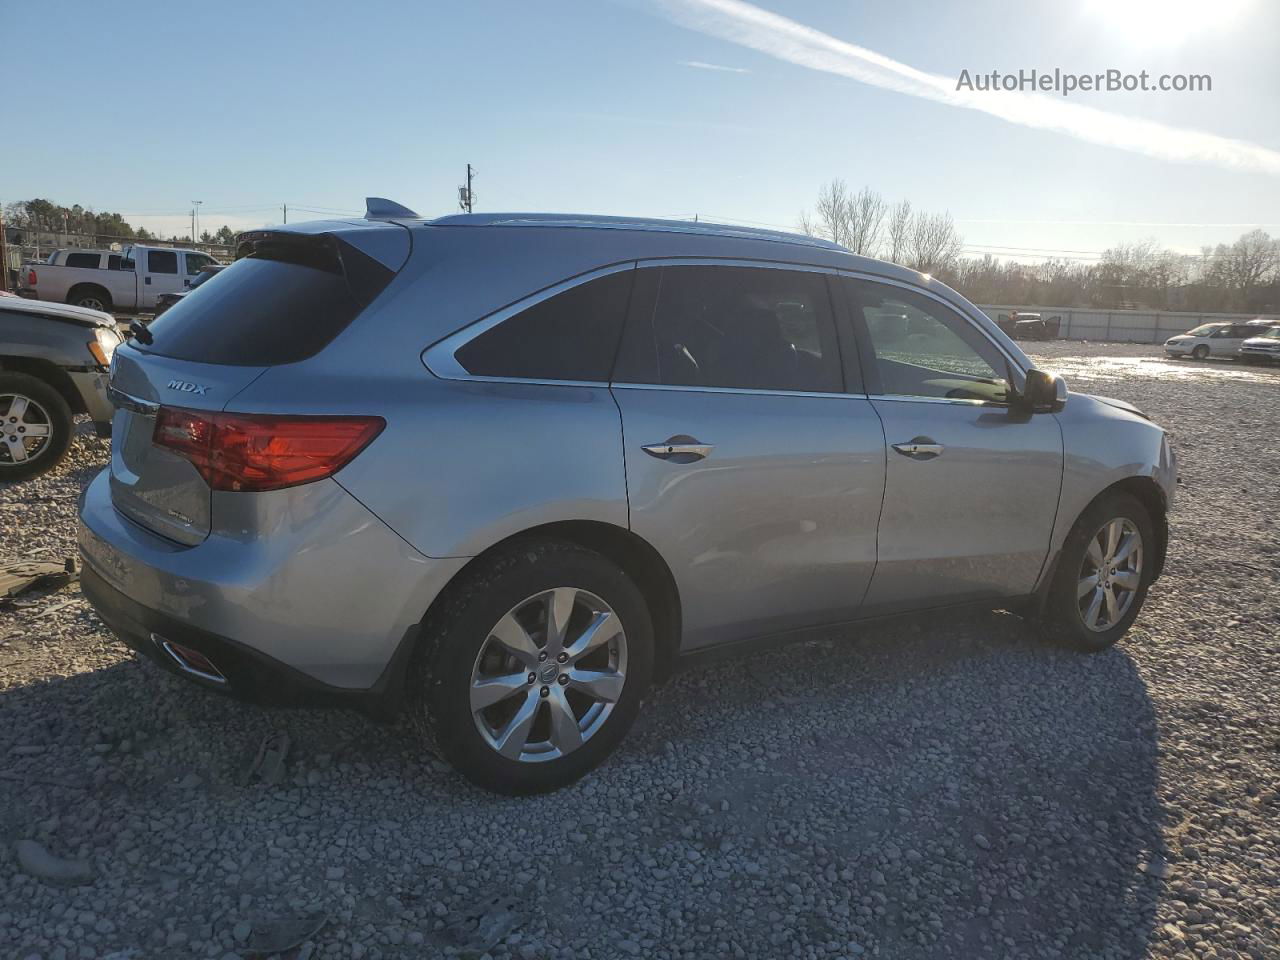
[957,789]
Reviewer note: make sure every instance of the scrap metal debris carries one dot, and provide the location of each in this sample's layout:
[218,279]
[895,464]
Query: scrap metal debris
[40,863]
[483,925]
[284,933]
[269,763]
[19,575]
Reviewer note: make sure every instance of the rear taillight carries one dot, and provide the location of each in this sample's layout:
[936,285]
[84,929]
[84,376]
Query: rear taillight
[252,452]
[31,278]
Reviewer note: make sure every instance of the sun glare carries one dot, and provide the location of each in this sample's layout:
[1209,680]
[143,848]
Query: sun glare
[1154,23]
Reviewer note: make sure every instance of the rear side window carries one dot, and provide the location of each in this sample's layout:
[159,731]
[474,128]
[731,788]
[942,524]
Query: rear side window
[162,261]
[746,328]
[570,336]
[84,260]
[282,302]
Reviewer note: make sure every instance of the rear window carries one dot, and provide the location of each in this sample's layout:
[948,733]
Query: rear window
[281,302]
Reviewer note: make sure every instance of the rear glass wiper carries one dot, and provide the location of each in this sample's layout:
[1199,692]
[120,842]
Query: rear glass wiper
[140,332]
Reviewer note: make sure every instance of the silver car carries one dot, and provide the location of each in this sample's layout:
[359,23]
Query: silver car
[505,471]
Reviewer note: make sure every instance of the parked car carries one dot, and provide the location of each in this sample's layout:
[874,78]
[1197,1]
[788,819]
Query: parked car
[1210,340]
[1029,326]
[1262,348]
[505,470]
[167,300]
[53,365]
[130,280]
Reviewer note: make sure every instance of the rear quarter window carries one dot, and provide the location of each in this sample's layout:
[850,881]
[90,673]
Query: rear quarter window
[570,336]
[283,302]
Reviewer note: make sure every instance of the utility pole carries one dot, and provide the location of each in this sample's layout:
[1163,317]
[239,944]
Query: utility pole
[4,254]
[466,198]
[284,210]
[195,221]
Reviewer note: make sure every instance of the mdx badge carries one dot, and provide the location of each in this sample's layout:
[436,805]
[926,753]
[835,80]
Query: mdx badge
[186,386]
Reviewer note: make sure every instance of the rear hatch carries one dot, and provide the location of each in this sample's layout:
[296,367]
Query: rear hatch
[288,294]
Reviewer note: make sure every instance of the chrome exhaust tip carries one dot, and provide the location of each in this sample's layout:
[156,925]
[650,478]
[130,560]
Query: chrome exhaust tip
[190,661]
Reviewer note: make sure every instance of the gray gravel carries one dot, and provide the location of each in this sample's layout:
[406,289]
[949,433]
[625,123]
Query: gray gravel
[957,789]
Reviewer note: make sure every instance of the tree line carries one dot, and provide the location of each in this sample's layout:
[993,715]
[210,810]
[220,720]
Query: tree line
[1239,277]
[46,216]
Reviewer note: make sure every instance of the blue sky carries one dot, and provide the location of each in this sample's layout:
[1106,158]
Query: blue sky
[587,105]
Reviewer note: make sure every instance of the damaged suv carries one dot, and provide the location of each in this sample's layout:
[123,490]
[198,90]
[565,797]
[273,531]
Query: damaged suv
[506,470]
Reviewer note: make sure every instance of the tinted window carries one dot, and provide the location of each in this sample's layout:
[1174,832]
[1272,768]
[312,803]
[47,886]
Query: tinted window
[162,261]
[279,304]
[746,328]
[924,349]
[570,336]
[113,262]
[84,260]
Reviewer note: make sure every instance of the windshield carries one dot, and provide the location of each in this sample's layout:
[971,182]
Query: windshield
[1271,333]
[1204,330]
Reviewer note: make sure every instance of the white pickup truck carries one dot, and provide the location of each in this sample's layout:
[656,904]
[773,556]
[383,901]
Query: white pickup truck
[130,280]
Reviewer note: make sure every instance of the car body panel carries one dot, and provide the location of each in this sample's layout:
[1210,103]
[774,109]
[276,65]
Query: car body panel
[296,582]
[776,528]
[59,334]
[975,521]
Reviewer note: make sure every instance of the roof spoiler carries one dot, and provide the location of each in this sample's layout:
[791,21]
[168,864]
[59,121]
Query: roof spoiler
[380,208]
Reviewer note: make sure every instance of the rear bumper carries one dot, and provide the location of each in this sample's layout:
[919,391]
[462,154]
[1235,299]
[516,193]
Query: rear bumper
[249,674]
[308,582]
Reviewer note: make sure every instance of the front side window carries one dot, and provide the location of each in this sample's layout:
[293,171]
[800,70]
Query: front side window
[162,261]
[925,349]
[572,335]
[747,328]
[195,261]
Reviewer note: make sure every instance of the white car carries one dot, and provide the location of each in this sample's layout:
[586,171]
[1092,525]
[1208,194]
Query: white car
[1211,340]
[1262,348]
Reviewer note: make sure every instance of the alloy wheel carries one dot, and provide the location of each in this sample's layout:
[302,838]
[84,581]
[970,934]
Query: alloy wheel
[25,429]
[548,675]
[1110,574]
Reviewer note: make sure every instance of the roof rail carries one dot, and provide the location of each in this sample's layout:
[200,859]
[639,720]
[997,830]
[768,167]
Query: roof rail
[629,223]
[380,208]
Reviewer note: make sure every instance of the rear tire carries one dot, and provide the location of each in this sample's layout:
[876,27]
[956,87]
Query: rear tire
[35,426]
[1093,566]
[91,297]
[1200,353]
[539,735]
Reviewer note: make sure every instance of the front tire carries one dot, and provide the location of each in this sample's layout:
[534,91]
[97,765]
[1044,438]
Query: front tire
[534,666]
[1106,566]
[1200,353]
[35,427]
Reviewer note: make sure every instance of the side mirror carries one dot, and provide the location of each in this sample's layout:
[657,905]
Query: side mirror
[1043,392]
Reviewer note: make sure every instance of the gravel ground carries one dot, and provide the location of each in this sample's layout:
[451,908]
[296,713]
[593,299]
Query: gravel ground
[939,790]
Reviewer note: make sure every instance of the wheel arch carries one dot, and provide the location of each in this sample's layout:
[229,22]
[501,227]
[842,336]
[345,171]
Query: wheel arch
[1146,491]
[632,553]
[88,285]
[50,373]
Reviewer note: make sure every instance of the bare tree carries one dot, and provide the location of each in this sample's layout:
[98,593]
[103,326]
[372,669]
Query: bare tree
[852,220]
[1249,263]
[866,220]
[933,243]
[899,231]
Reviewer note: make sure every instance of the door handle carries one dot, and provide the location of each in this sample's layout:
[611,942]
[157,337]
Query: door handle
[921,448]
[680,448]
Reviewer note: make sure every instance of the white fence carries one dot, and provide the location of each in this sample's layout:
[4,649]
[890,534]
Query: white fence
[1133,326]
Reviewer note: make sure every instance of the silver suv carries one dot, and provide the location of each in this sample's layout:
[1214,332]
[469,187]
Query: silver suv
[507,470]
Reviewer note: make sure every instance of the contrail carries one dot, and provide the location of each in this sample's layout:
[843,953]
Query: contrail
[750,26]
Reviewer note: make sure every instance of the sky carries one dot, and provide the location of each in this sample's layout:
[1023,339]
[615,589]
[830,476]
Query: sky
[725,109]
